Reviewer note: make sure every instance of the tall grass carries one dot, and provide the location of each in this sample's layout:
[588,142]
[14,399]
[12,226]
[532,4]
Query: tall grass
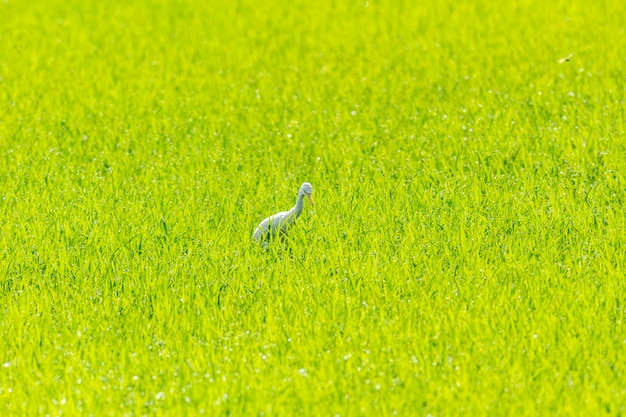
[465,255]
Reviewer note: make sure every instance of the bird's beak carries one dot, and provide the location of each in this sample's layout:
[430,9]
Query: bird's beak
[310,199]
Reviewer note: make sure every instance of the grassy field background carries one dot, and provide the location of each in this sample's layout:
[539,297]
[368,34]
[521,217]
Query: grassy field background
[466,254]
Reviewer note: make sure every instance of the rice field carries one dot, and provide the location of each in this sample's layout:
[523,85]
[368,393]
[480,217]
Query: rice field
[467,249]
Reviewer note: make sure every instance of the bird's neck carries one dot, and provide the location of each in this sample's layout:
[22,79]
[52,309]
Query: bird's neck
[297,209]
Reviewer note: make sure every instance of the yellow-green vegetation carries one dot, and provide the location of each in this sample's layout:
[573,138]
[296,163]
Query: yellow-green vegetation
[466,254]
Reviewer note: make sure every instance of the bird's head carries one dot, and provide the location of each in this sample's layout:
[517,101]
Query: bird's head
[307,190]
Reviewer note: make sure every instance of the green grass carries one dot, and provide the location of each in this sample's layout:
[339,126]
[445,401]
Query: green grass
[466,254]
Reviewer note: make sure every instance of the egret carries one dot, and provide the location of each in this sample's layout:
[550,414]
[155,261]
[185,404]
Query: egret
[279,222]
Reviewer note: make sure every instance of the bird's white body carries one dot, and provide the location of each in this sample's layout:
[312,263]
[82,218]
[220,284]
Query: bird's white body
[280,222]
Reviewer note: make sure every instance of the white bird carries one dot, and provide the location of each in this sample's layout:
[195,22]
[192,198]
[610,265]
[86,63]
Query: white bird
[279,222]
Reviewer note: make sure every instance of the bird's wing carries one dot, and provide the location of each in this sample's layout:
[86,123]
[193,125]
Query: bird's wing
[276,220]
[281,220]
[273,224]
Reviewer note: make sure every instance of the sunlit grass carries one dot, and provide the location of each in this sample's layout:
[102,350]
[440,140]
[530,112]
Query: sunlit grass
[465,255]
